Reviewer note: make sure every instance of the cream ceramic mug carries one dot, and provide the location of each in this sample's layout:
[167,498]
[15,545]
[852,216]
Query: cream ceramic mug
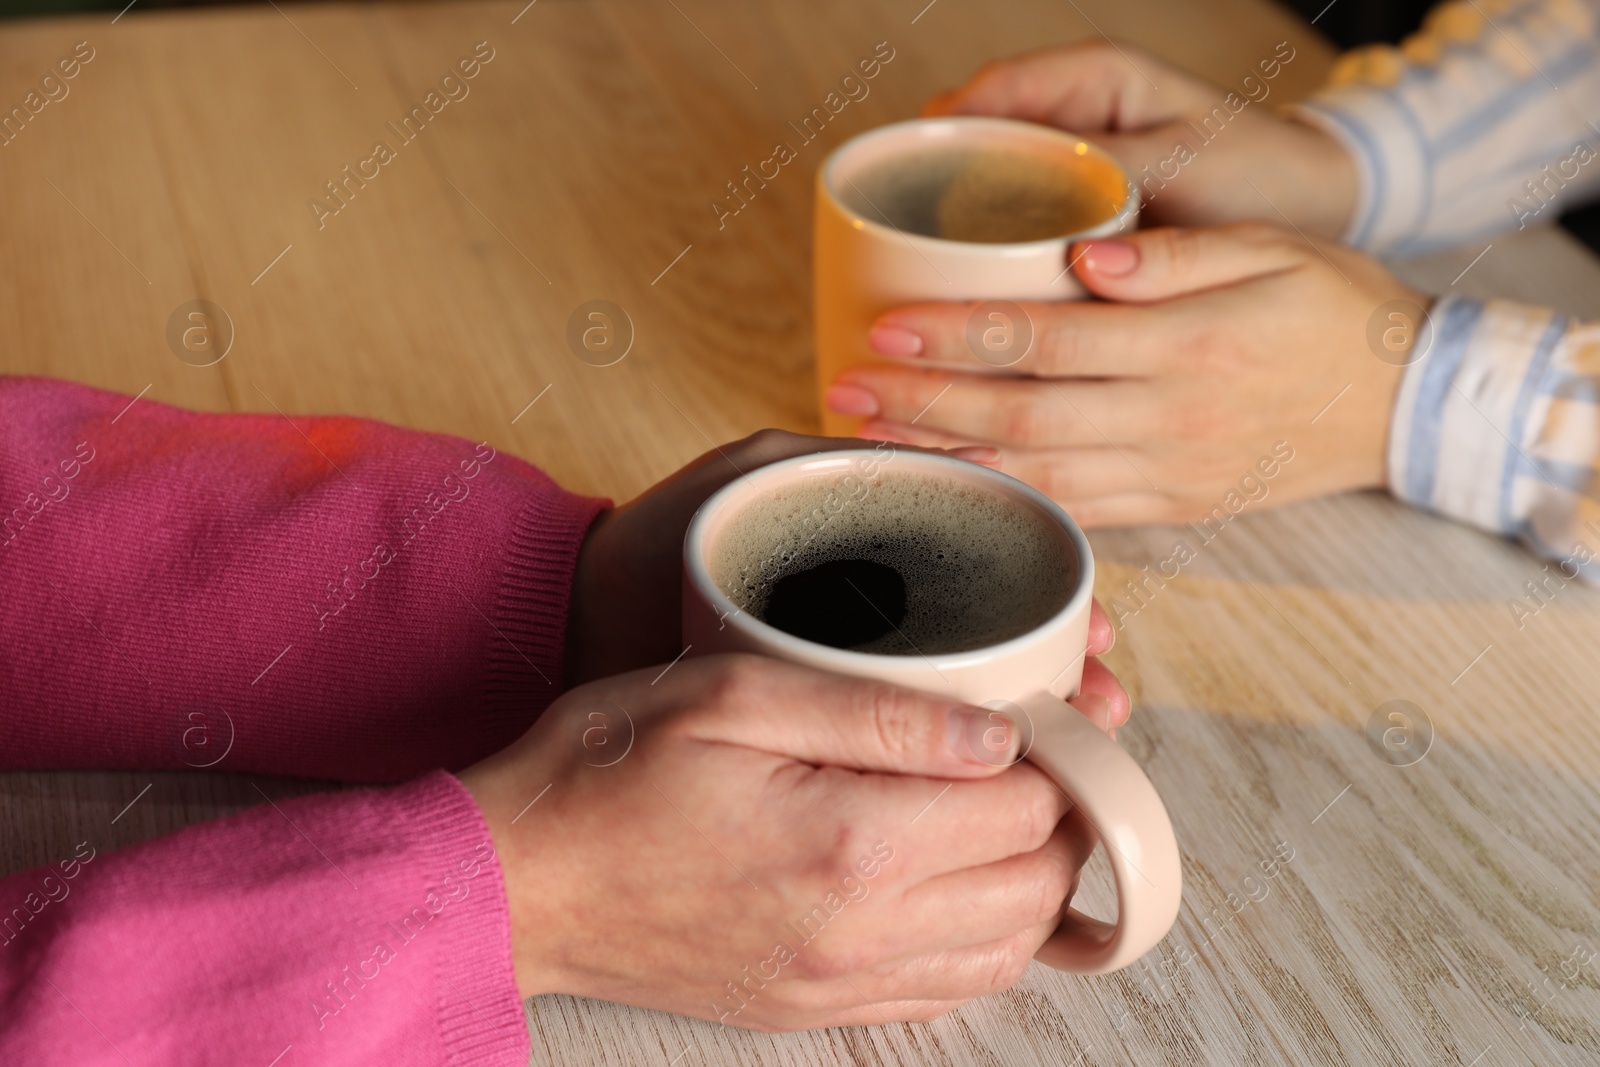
[1028,677]
[865,263]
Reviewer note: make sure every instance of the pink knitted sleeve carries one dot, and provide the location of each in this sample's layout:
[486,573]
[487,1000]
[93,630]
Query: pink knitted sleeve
[327,597]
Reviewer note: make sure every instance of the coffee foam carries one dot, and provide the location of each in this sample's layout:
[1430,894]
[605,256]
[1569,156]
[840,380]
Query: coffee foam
[989,196]
[979,569]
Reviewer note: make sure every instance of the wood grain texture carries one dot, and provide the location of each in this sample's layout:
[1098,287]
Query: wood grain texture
[1427,910]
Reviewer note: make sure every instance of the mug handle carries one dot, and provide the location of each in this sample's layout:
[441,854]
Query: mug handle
[1112,792]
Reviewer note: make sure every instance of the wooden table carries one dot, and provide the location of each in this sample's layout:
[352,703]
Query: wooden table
[1429,911]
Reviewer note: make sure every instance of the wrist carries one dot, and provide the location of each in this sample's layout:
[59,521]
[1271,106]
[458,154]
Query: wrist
[1329,188]
[1384,396]
[497,786]
[584,606]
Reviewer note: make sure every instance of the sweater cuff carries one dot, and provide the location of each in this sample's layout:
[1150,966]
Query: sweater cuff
[1394,170]
[481,1020]
[1469,412]
[524,673]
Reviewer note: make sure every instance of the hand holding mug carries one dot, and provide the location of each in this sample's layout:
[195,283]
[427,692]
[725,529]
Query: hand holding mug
[751,841]
[1189,164]
[920,570]
[1216,349]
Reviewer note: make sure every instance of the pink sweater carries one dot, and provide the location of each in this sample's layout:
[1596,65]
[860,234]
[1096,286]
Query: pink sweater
[342,599]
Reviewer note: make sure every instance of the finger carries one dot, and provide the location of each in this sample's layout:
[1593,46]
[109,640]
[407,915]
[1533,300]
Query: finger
[866,1013]
[1077,474]
[1168,261]
[969,907]
[950,976]
[1101,697]
[1102,635]
[936,826]
[1061,474]
[821,718]
[1070,339]
[996,409]
[1122,509]
[1088,86]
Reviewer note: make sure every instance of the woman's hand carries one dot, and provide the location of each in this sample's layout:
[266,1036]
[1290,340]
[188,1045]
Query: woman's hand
[773,847]
[1234,360]
[1215,154]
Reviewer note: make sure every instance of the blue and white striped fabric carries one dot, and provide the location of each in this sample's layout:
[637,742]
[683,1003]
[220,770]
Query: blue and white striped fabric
[1487,120]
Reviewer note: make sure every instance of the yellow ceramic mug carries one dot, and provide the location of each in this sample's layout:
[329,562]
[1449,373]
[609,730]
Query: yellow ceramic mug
[866,264]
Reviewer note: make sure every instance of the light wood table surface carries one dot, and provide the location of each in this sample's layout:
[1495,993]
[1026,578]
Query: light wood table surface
[1430,913]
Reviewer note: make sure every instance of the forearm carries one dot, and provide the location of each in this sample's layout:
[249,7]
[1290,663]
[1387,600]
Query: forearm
[368,926]
[1499,425]
[330,597]
[1476,125]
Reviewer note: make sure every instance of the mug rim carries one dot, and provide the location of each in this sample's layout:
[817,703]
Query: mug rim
[1116,223]
[798,649]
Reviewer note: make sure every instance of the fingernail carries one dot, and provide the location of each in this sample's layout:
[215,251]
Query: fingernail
[978,735]
[1112,258]
[987,455]
[894,341]
[1095,708]
[851,400]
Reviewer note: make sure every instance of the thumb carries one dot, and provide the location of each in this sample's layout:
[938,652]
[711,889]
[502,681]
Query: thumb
[1169,261]
[821,718]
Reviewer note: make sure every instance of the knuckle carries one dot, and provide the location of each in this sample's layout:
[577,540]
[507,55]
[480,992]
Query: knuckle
[1182,250]
[1060,349]
[735,681]
[1188,421]
[1026,420]
[896,726]
[1047,889]
[1193,423]
[1056,481]
[1013,965]
[1039,812]
[1256,233]
[827,962]
[851,842]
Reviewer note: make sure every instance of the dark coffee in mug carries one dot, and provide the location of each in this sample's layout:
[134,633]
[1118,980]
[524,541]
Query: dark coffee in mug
[897,564]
